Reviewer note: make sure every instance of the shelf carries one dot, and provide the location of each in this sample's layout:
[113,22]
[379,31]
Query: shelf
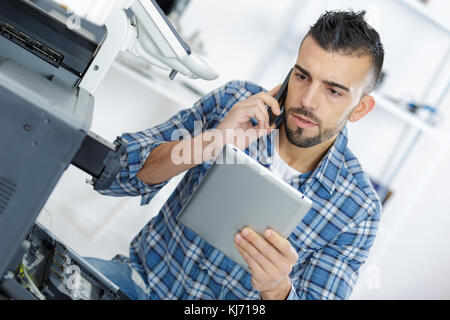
[427,13]
[408,117]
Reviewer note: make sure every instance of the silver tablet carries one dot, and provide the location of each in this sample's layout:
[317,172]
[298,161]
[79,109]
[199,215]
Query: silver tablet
[236,192]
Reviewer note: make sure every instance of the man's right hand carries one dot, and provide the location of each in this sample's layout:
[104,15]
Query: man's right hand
[237,127]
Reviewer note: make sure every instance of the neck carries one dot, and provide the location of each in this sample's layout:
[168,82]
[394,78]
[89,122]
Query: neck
[302,159]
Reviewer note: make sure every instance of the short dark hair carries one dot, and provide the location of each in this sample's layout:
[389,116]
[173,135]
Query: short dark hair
[347,32]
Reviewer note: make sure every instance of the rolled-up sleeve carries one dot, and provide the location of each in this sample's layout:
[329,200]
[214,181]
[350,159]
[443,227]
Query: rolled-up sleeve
[126,183]
[202,116]
[332,271]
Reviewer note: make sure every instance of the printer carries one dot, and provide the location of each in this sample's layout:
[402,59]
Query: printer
[53,56]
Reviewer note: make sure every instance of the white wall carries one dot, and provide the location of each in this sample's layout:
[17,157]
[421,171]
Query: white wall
[244,40]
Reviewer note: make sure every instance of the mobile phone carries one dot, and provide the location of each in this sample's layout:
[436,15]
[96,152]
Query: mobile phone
[280,96]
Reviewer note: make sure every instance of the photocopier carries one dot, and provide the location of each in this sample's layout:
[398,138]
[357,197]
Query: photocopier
[53,56]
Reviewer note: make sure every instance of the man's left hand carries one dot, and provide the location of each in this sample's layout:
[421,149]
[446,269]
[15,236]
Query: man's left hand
[270,259]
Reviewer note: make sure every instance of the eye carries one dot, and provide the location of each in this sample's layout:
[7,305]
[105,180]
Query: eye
[334,92]
[301,76]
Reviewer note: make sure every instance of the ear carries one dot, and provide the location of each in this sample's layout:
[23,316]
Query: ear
[365,106]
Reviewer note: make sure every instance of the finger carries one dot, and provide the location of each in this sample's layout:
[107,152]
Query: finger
[272,103]
[255,111]
[268,101]
[255,268]
[264,247]
[264,111]
[281,244]
[264,263]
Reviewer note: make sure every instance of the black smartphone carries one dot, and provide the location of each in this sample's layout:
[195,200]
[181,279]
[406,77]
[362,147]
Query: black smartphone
[280,96]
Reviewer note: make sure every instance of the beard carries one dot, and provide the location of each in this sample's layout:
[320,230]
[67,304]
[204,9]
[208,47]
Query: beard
[296,136]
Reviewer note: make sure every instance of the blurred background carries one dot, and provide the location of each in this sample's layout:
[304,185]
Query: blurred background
[402,144]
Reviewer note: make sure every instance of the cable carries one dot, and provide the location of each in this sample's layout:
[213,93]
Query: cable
[29,283]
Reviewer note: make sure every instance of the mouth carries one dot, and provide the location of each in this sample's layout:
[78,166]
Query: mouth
[303,122]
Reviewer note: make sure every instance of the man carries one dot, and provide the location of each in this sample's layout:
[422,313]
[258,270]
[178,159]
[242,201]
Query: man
[338,65]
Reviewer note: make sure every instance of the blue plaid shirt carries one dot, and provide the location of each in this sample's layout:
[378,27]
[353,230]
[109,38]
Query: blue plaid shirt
[332,240]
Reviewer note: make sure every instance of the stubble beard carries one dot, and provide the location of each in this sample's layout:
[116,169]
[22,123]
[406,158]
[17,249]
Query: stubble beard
[296,136]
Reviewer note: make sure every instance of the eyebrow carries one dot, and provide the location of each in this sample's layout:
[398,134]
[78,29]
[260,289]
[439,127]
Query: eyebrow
[331,83]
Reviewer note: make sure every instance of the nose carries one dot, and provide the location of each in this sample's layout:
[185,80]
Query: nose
[310,97]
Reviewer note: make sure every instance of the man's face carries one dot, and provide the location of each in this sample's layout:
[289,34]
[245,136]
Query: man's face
[324,89]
